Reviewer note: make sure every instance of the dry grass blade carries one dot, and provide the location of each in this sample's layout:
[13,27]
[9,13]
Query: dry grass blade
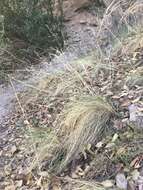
[135,41]
[83,185]
[135,78]
[84,123]
[47,143]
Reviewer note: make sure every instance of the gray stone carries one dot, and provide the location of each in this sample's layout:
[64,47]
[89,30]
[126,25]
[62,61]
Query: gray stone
[136,116]
[121,181]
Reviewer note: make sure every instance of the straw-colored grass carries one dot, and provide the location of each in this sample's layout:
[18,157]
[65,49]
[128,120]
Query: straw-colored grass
[76,184]
[83,123]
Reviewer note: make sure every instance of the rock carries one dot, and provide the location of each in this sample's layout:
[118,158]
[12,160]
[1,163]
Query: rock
[141,187]
[133,112]
[121,181]
[136,115]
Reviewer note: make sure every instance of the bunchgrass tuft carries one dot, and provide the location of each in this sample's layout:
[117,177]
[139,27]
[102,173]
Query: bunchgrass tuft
[83,123]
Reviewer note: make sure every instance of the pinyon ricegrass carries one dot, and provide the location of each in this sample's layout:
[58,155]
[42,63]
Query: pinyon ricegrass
[83,123]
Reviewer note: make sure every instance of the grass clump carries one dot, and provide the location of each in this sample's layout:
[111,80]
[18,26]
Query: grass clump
[84,123]
[80,126]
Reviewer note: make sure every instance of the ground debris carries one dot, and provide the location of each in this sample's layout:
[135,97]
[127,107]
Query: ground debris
[121,181]
[114,161]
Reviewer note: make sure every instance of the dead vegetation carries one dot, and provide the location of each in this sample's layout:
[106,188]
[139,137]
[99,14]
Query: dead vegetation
[75,141]
[84,124]
[135,77]
[72,141]
[67,117]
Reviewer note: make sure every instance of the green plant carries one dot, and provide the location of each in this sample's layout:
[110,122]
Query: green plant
[34,22]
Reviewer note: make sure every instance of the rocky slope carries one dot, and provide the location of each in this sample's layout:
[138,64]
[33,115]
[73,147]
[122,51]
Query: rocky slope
[121,152]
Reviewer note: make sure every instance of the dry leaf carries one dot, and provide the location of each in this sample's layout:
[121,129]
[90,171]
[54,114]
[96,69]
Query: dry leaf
[44,174]
[110,145]
[115,137]
[99,144]
[13,149]
[126,103]
[19,183]
[74,175]
[107,183]
[7,170]
[136,163]
[10,187]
